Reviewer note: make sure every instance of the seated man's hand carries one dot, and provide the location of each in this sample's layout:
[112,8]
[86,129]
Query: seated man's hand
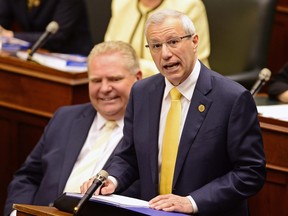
[283,97]
[6,33]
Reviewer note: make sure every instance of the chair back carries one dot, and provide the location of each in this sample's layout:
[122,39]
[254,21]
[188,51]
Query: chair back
[240,32]
[99,13]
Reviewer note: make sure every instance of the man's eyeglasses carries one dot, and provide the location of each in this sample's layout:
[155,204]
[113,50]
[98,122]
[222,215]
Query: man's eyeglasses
[172,43]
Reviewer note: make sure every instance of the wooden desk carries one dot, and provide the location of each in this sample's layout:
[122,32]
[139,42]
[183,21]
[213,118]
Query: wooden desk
[29,95]
[26,210]
[273,198]
[36,89]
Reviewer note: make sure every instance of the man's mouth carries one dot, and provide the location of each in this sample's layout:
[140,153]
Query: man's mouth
[171,66]
[108,98]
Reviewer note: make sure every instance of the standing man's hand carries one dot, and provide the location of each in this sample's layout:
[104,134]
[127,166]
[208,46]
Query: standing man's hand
[171,202]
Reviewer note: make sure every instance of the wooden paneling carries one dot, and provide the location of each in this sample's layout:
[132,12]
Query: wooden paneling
[272,199]
[278,51]
[19,133]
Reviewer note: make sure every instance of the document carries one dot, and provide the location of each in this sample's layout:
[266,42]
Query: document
[279,112]
[13,44]
[116,199]
[66,202]
[58,61]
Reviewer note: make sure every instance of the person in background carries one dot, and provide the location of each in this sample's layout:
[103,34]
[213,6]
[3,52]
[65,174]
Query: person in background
[56,163]
[27,20]
[128,20]
[214,160]
[278,86]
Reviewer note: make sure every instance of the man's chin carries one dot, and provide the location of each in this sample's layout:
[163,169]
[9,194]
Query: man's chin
[111,113]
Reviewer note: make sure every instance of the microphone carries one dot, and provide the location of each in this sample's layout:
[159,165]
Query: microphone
[263,77]
[51,28]
[97,182]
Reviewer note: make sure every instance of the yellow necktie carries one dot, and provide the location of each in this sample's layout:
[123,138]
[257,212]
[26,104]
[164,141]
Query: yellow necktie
[170,142]
[84,170]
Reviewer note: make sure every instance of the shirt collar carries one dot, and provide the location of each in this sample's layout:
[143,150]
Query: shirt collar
[101,121]
[187,87]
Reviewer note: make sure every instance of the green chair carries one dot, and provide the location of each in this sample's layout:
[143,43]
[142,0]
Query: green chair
[99,13]
[240,32]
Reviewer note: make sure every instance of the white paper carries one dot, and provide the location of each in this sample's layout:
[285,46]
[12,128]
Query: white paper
[274,111]
[122,200]
[116,199]
[52,61]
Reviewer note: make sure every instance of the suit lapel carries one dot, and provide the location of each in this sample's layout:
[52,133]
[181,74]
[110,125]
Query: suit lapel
[197,112]
[78,134]
[155,101]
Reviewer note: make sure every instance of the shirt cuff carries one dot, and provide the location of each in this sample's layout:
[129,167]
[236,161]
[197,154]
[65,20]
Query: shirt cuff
[114,180]
[195,208]
[13,213]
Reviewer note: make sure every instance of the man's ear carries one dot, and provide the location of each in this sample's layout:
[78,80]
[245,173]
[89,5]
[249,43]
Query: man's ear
[195,40]
[139,75]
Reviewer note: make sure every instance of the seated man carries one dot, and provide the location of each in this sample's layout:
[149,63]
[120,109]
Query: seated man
[60,160]
[278,87]
[27,20]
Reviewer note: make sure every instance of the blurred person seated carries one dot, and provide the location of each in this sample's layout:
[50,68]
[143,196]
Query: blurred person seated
[129,17]
[27,20]
[54,165]
[278,86]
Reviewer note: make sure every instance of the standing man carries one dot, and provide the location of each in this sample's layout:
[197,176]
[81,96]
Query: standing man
[60,161]
[215,161]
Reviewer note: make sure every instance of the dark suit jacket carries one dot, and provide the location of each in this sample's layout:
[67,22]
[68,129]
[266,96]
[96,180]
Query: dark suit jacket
[279,82]
[220,160]
[73,35]
[43,176]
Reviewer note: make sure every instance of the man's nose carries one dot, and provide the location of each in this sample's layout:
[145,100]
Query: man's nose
[105,86]
[166,51]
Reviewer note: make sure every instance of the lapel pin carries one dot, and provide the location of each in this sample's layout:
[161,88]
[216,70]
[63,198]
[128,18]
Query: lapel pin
[201,108]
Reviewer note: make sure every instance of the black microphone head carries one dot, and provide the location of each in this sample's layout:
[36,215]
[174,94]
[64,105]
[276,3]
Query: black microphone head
[265,74]
[52,27]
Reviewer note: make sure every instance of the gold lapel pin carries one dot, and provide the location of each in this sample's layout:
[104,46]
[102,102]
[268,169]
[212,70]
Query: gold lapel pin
[33,3]
[201,108]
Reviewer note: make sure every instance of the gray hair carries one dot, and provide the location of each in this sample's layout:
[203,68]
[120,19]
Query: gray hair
[160,16]
[130,58]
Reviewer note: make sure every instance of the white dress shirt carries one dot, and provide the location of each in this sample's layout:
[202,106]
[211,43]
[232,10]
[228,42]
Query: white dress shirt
[93,134]
[187,89]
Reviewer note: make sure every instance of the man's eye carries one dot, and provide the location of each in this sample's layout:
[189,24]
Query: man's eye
[96,80]
[115,79]
[156,46]
[173,41]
